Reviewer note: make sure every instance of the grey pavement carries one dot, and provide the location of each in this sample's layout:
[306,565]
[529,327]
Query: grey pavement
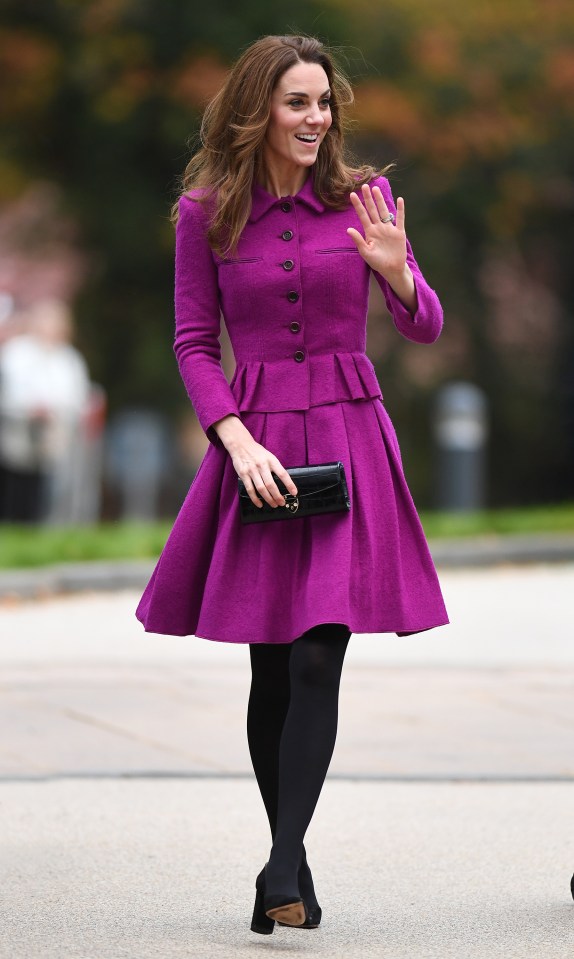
[145,868]
[132,827]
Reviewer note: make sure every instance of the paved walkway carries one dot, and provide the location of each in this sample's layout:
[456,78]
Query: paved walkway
[131,826]
[103,869]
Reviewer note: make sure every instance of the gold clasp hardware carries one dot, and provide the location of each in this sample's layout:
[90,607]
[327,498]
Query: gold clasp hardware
[291,502]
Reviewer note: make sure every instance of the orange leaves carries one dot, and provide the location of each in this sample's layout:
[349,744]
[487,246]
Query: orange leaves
[437,53]
[196,81]
[455,81]
[30,65]
[414,121]
[560,72]
[97,16]
[383,108]
[517,198]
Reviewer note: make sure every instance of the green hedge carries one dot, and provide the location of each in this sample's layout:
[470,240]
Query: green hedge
[24,546]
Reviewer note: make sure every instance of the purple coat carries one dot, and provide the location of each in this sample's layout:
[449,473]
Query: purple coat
[294,298]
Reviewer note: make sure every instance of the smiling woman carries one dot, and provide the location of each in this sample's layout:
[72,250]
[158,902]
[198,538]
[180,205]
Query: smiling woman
[277,231]
[262,110]
[299,121]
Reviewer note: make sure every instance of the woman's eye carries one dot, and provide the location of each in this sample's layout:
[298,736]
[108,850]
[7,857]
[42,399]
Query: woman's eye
[297,103]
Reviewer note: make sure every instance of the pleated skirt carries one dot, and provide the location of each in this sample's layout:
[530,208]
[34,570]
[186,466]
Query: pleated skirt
[369,568]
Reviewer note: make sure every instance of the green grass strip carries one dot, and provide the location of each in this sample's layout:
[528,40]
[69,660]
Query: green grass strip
[535,519]
[25,546]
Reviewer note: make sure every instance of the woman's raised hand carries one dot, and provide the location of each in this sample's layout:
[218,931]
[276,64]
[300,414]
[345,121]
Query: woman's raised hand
[384,245]
[253,463]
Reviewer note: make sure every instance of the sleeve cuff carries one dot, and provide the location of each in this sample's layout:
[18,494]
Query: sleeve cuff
[206,421]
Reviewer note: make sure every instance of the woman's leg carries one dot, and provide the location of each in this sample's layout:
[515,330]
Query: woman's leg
[306,748]
[266,712]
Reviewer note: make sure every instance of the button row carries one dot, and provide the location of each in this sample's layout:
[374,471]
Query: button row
[292,296]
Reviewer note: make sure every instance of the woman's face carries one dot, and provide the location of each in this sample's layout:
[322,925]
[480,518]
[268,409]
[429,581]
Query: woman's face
[300,116]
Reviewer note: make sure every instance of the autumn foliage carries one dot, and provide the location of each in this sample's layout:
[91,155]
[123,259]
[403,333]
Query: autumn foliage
[473,101]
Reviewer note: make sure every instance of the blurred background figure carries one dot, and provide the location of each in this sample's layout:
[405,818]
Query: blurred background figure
[47,414]
[139,453]
[8,316]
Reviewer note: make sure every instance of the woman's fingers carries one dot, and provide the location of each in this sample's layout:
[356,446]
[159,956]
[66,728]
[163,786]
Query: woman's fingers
[370,203]
[283,475]
[400,213]
[256,465]
[271,485]
[258,489]
[269,490]
[250,490]
[358,238]
[374,209]
[260,485]
[381,207]
[360,211]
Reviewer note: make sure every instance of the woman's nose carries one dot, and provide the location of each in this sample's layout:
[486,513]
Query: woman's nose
[315,116]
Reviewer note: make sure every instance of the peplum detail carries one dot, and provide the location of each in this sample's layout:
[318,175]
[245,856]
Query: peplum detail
[275,386]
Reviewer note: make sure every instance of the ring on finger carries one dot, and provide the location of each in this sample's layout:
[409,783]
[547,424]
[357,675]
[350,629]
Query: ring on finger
[390,218]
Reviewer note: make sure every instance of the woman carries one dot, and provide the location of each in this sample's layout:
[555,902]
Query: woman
[279,233]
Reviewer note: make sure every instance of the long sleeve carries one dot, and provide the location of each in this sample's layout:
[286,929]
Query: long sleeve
[198,321]
[426,324]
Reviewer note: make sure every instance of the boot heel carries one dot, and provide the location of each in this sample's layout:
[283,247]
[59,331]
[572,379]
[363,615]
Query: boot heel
[261,922]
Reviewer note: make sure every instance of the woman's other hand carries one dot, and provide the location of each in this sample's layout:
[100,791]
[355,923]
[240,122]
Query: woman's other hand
[253,463]
[384,245]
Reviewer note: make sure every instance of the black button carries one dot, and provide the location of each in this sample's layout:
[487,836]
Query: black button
[286,207]
[288,264]
[292,296]
[287,235]
[299,356]
[295,327]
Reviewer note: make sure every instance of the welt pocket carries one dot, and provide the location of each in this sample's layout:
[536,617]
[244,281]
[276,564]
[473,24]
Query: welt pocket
[339,249]
[241,259]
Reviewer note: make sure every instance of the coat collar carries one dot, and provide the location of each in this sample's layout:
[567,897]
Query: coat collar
[262,201]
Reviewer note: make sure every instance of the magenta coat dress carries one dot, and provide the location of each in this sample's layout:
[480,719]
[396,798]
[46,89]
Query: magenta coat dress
[294,298]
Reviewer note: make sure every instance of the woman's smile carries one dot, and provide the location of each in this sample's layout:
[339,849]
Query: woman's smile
[310,139]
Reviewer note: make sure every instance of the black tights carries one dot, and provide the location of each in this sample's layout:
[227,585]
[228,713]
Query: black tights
[291,729]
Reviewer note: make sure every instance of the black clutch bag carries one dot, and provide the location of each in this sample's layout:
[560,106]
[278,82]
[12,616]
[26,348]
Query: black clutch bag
[320,489]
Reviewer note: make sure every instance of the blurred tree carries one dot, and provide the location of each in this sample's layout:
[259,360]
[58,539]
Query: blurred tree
[103,97]
[473,100]
[476,100]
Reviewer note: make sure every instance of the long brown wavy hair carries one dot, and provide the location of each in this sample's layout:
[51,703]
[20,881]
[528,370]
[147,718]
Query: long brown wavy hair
[233,130]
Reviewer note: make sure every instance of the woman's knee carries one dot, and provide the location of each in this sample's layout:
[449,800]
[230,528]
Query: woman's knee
[269,665]
[317,656]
